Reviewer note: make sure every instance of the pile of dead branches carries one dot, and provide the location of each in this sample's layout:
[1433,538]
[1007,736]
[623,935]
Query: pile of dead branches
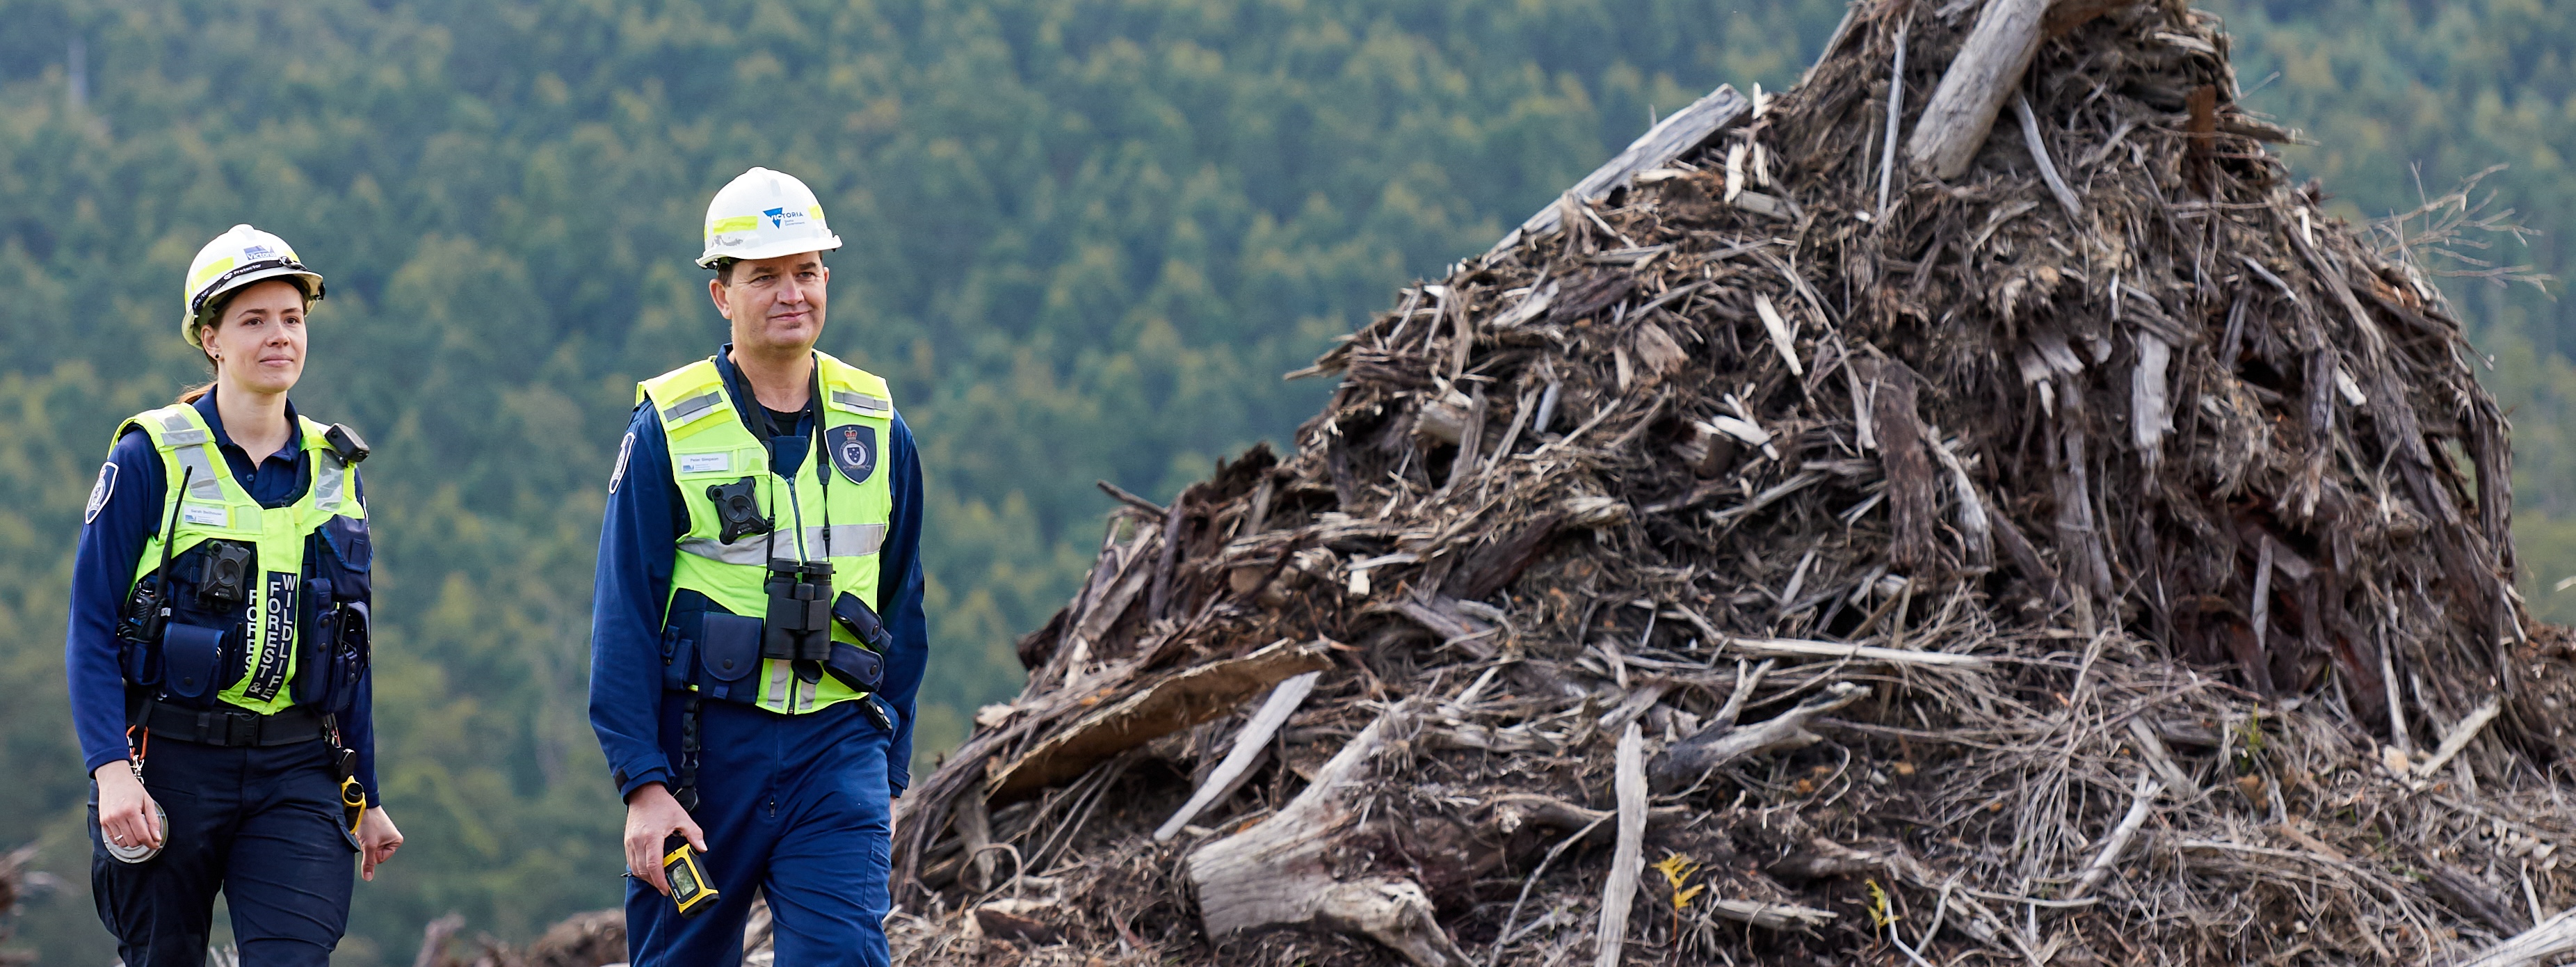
[1969,504]
[16,882]
[591,939]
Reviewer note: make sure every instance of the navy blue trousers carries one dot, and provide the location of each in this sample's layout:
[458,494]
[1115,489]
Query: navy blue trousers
[795,806]
[261,825]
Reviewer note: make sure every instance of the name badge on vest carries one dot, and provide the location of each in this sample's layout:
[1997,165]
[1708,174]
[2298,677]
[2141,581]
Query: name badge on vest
[854,450]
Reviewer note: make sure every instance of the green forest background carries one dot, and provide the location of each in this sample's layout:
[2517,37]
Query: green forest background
[1084,237]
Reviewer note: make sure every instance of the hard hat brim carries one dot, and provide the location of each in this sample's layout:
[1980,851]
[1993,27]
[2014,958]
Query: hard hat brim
[307,279]
[753,253]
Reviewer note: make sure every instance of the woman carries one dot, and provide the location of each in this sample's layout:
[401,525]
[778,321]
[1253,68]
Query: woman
[218,644]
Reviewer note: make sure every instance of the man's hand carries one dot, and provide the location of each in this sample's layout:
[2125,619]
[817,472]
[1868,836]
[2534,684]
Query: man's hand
[651,817]
[124,809]
[377,840]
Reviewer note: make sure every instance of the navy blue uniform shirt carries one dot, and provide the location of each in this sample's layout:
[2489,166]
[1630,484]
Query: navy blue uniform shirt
[125,512]
[637,545]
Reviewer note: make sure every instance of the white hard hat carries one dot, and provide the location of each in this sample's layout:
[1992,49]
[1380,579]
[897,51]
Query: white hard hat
[764,214]
[238,257]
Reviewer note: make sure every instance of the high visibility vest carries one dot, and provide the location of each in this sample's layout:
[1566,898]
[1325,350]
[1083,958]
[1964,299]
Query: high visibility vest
[265,630]
[837,508]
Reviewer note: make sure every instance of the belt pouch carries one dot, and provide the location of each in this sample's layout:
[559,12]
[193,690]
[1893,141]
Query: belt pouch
[860,669]
[679,658]
[315,629]
[861,620]
[189,655]
[351,646]
[728,652]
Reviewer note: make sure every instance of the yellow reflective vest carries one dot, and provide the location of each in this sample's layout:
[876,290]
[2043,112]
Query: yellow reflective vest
[837,507]
[214,506]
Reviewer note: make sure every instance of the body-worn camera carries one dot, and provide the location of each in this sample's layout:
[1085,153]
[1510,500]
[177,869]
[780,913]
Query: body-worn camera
[223,575]
[345,442]
[798,625]
[737,510]
[691,891]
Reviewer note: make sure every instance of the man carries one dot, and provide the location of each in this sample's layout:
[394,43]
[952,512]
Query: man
[757,633]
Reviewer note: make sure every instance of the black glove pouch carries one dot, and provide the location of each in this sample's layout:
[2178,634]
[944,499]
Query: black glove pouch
[860,669]
[861,620]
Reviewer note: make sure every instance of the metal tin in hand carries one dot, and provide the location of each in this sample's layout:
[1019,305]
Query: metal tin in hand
[139,852]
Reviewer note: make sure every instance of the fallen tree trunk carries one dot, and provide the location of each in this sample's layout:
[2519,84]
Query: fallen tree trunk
[1161,709]
[1279,872]
[1962,110]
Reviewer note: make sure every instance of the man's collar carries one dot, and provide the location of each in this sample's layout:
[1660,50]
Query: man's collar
[739,388]
[215,422]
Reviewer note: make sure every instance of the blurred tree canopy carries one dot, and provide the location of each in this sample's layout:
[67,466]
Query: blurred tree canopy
[1083,238]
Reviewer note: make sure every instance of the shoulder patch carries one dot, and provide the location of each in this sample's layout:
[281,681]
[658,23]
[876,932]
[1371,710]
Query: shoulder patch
[854,450]
[99,492]
[624,451]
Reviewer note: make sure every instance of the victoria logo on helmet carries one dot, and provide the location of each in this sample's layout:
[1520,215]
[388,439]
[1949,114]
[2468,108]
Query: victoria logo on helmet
[764,214]
[257,252]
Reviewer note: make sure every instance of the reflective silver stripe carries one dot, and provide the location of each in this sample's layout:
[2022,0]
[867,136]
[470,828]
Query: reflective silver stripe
[848,540]
[183,437]
[782,683]
[200,474]
[688,409]
[861,402]
[327,477]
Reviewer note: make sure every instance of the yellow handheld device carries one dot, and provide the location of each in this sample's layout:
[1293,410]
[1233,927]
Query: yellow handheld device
[691,891]
[353,807]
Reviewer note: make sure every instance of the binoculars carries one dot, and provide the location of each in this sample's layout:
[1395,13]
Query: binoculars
[798,625]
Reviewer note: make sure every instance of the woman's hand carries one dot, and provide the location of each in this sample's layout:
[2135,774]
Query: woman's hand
[377,841]
[124,809]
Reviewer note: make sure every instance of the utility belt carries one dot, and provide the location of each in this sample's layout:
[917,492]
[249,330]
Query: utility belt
[231,728]
[727,650]
[237,728]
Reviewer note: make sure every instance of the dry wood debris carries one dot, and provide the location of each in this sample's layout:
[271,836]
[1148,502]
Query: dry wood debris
[16,883]
[2056,542]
